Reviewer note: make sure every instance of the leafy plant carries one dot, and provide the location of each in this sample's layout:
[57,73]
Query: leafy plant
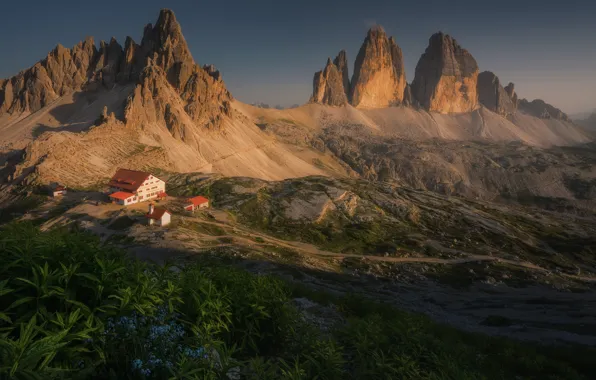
[72,307]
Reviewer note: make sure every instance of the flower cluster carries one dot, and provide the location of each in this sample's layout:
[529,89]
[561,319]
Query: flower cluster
[169,331]
[161,337]
[195,353]
[138,365]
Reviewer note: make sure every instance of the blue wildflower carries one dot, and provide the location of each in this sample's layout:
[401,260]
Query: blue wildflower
[137,364]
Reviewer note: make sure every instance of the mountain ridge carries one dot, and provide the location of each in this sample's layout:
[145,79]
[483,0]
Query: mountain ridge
[446,81]
[151,106]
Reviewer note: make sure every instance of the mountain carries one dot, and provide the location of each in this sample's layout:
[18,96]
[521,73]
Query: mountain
[588,122]
[539,108]
[379,78]
[446,76]
[493,96]
[329,86]
[81,113]
[447,81]
[152,106]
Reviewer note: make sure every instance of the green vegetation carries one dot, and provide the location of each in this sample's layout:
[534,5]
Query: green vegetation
[121,223]
[333,234]
[205,228]
[20,207]
[74,308]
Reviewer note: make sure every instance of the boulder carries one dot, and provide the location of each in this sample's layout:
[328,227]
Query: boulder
[446,75]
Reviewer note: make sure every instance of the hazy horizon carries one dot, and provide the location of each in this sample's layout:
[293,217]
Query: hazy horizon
[268,52]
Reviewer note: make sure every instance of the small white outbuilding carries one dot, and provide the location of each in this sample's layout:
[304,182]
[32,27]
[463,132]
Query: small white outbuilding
[158,216]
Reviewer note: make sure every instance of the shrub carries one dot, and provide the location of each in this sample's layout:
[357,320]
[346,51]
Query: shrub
[71,307]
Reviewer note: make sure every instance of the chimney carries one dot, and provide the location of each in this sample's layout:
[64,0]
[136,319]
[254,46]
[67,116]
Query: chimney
[151,208]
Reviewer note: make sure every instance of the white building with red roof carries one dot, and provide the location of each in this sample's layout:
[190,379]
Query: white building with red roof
[158,216]
[132,186]
[196,202]
[57,190]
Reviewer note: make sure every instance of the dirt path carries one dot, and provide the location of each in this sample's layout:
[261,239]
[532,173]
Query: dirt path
[305,248]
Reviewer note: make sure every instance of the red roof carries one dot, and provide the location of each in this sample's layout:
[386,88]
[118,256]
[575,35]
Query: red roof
[129,180]
[59,188]
[198,200]
[122,195]
[157,213]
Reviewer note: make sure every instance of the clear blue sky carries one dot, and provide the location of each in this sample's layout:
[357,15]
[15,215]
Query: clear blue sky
[269,50]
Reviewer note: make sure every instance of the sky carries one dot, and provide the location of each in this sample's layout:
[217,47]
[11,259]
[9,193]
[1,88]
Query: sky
[268,51]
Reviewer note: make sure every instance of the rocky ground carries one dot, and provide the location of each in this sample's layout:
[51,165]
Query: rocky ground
[507,270]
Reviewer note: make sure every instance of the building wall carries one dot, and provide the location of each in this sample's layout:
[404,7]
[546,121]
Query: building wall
[151,188]
[147,191]
[204,205]
[165,219]
[125,202]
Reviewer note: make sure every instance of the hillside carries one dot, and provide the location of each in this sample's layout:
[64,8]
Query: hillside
[453,259]
[446,153]
[144,106]
[208,320]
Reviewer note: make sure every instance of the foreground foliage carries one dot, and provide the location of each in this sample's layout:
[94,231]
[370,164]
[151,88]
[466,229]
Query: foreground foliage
[71,307]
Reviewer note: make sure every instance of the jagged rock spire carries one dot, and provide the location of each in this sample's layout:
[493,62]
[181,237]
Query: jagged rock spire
[331,85]
[341,62]
[446,77]
[379,78]
[493,96]
[201,90]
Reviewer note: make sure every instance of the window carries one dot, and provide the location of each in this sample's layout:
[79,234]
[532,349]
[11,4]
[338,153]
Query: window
[140,197]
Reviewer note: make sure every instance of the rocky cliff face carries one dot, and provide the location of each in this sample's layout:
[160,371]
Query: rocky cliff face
[493,96]
[379,78]
[203,93]
[329,86]
[539,108]
[61,71]
[341,62]
[510,89]
[446,77]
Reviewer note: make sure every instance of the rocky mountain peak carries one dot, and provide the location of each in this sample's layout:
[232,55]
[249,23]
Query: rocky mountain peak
[202,92]
[212,71]
[341,62]
[510,90]
[446,77]
[539,108]
[328,84]
[107,65]
[379,78]
[493,96]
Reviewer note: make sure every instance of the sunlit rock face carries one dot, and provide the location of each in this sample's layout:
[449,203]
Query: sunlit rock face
[379,78]
[446,77]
